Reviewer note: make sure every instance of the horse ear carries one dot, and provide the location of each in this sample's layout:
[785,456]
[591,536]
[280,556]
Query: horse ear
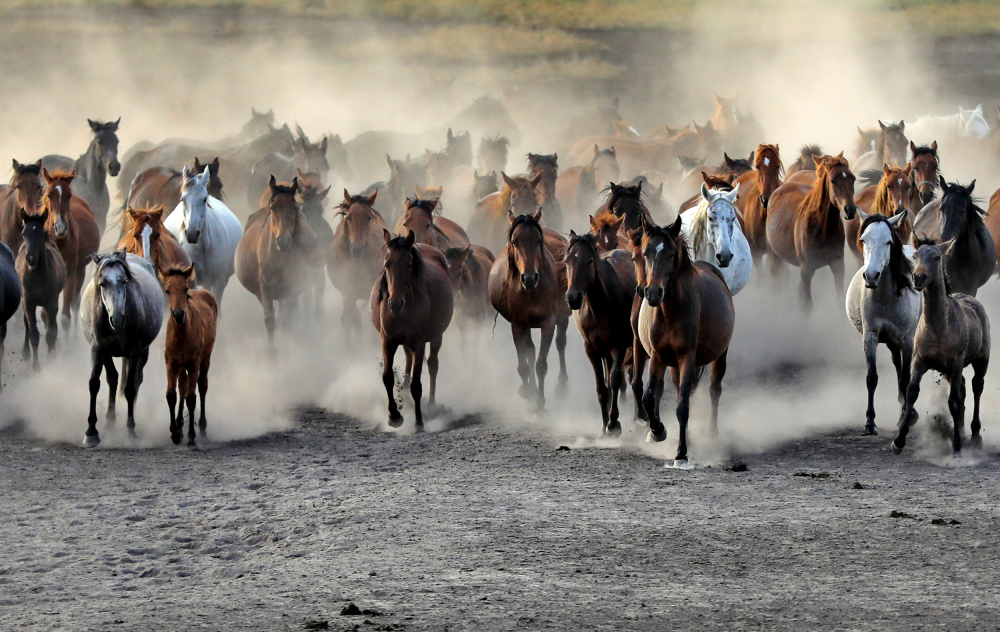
[902,125]
[618,221]
[596,150]
[908,168]
[186,171]
[841,154]
[593,224]
[410,239]
[71,175]
[120,254]
[612,150]
[408,203]
[946,247]
[215,164]
[96,258]
[371,198]
[934,146]
[538,215]
[572,233]
[537,179]
[727,159]
[323,144]
[733,195]
[450,135]
[885,169]
[390,163]
[46,175]
[942,183]
[322,195]
[347,197]
[817,160]
[295,184]
[132,212]
[675,228]
[94,125]
[386,236]
[206,174]
[16,165]
[272,182]
[894,221]
[189,271]
[881,125]
[705,176]
[510,216]
[972,185]
[705,193]
[116,124]
[38,163]
[979,109]
[507,180]
[863,216]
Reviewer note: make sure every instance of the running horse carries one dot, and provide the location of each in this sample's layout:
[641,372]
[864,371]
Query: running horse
[756,188]
[925,174]
[527,287]
[43,277]
[93,167]
[24,192]
[890,147]
[354,258]
[547,166]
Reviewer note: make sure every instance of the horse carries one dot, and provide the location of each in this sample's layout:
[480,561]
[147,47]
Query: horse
[685,323]
[713,233]
[459,148]
[42,273]
[803,228]
[354,258]
[24,192]
[411,305]
[626,201]
[806,160]
[163,185]
[887,198]
[484,185]
[965,124]
[654,199]
[188,348]
[469,271]
[890,147]
[145,235]
[952,333]
[527,287]
[311,201]
[546,166]
[492,154]
[74,230]
[972,259]
[599,290]
[308,156]
[925,175]
[404,175]
[276,255]
[428,227]
[605,227]
[93,167]
[757,187]
[882,304]
[519,195]
[122,314]
[577,187]
[10,295]
[206,230]
[992,219]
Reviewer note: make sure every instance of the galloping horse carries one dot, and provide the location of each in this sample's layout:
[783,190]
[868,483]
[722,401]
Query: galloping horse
[925,175]
[430,228]
[74,230]
[527,286]
[25,193]
[411,306]
[93,167]
[887,198]
[145,235]
[43,275]
[354,258]
[756,188]
[577,187]
[803,226]
[489,219]
[605,227]
[686,322]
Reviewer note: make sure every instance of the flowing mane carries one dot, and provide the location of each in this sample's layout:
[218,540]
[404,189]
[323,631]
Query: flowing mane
[817,201]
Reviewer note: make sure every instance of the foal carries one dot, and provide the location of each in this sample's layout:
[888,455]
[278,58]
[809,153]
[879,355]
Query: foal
[43,276]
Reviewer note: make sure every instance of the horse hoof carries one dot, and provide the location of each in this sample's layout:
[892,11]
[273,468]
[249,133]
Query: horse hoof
[395,422]
[132,434]
[91,441]
[562,388]
[681,464]
[896,449]
[420,429]
[613,431]
[526,391]
[192,445]
[653,437]
[976,441]
[871,429]
[176,438]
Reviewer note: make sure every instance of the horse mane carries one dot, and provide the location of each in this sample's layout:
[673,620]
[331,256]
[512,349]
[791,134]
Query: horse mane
[870,177]
[974,213]
[588,239]
[881,205]
[31,169]
[499,142]
[428,206]
[900,266]
[698,228]
[355,199]
[818,197]
[808,151]
[924,149]
[60,174]
[603,219]
[109,260]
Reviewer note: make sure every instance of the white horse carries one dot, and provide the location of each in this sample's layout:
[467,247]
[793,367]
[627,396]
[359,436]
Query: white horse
[882,304]
[965,124]
[208,231]
[713,234]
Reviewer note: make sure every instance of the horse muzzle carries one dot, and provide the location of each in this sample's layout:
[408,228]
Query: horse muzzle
[850,211]
[926,197]
[283,243]
[179,316]
[357,250]
[724,259]
[114,167]
[396,305]
[871,280]
[117,322]
[60,229]
[574,299]
[654,295]
[919,281]
[529,281]
[31,260]
[192,236]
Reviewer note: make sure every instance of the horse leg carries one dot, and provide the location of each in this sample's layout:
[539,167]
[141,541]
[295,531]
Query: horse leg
[651,400]
[978,381]
[407,367]
[522,339]
[613,426]
[416,388]
[715,389]
[131,388]
[776,267]
[389,380]
[51,325]
[319,294]
[597,363]
[542,363]
[97,361]
[638,366]
[202,391]
[903,373]
[687,371]
[871,349]
[806,273]
[563,386]
[111,371]
[432,368]
[837,268]
[175,434]
[956,405]
[269,322]
[191,398]
[912,392]
[3,349]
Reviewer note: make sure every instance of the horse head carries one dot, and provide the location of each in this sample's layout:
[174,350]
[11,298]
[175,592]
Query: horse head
[106,140]
[526,246]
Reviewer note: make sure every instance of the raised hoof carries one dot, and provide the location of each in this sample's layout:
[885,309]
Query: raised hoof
[871,429]
[896,449]
[976,441]
[914,416]
[395,421]
[653,437]
[91,441]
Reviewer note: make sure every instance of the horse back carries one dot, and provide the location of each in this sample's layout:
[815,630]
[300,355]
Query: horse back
[783,210]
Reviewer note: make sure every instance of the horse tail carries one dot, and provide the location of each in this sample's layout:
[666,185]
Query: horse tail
[696,378]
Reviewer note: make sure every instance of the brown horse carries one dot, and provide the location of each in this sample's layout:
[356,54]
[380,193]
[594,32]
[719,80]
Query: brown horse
[756,188]
[277,254]
[925,175]
[411,305]
[547,166]
[430,228]
[74,230]
[144,235]
[43,276]
[803,226]
[626,201]
[23,193]
[355,257]
[599,291]
[527,285]
[605,227]
[578,187]
[188,351]
[886,198]
[686,323]
[161,186]
[469,271]
[489,219]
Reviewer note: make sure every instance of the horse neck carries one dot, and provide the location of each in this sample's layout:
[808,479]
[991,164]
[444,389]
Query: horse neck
[817,205]
[768,180]
[935,304]
[89,166]
[598,293]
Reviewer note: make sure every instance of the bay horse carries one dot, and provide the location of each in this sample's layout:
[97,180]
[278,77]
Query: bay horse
[547,166]
[74,230]
[24,192]
[887,198]
[756,188]
[43,276]
[492,154]
[605,227]
[882,304]
[411,305]
[489,219]
[925,174]
[686,323]
[626,201]
[188,348]
[599,290]
[276,255]
[952,333]
[164,185]
[972,259]
[122,313]
[469,271]
[147,237]
[890,147]
[430,228]
[527,287]
[803,224]
[10,296]
[354,258]
[93,167]
[577,187]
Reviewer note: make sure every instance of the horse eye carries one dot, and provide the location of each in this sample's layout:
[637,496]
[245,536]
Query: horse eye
[937,257]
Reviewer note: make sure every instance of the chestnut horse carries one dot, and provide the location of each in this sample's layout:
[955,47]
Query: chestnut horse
[429,228]
[756,188]
[188,350]
[162,186]
[145,236]
[527,287]
[355,257]
[73,229]
[411,305]
[686,323]
[489,219]
[887,198]
[605,227]
[600,288]
[23,193]
[804,227]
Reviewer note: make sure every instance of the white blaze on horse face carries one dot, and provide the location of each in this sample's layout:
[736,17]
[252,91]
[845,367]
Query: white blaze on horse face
[767,161]
[147,231]
[112,289]
[876,242]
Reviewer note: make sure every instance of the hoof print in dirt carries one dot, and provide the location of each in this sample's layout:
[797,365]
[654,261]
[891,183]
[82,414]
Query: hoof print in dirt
[901,514]
[317,625]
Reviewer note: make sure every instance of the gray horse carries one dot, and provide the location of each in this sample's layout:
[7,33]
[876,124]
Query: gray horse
[882,304]
[93,168]
[122,313]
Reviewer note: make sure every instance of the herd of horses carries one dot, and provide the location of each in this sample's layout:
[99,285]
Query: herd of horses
[643,280]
